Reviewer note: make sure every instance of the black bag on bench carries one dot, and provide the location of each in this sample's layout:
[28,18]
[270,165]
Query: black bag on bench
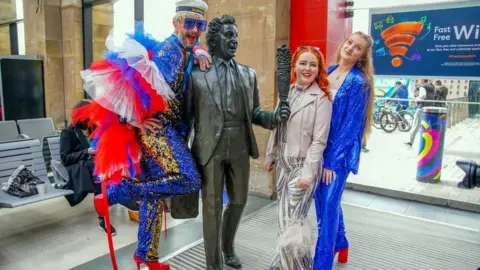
[23,183]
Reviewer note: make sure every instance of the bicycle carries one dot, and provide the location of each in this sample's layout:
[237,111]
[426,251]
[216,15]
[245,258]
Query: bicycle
[404,118]
[384,118]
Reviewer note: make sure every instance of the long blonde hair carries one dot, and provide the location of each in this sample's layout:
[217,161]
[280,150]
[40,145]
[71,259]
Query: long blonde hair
[365,64]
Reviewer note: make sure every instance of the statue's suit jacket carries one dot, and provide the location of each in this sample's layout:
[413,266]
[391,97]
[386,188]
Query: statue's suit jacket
[203,113]
[203,110]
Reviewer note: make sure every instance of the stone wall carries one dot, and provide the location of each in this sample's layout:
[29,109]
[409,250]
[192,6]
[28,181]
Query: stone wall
[4,40]
[7,14]
[262,27]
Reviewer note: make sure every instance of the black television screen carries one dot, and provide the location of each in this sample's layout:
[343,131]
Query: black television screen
[23,95]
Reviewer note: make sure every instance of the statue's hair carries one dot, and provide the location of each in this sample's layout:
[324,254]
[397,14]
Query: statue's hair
[214,27]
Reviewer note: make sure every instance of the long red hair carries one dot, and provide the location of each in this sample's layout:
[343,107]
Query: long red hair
[321,78]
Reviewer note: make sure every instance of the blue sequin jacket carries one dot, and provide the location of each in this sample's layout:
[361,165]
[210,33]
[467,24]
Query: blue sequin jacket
[348,122]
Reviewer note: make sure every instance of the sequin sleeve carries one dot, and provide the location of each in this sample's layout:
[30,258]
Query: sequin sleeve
[350,128]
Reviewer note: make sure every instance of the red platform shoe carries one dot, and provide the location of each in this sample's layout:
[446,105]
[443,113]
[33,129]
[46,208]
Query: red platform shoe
[151,265]
[342,255]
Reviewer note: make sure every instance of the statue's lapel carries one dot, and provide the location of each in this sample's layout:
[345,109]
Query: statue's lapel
[214,85]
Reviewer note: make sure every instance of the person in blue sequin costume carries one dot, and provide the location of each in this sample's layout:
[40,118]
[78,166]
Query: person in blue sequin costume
[351,85]
[167,166]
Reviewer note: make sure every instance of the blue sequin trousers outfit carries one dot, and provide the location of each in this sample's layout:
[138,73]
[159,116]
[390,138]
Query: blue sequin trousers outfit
[167,169]
[342,155]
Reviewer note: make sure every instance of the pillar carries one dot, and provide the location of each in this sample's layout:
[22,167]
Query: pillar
[319,23]
[72,38]
[102,24]
[262,27]
[43,36]
[72,29]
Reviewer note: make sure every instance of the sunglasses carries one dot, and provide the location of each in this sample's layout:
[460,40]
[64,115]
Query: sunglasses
[308,47]
[190,23]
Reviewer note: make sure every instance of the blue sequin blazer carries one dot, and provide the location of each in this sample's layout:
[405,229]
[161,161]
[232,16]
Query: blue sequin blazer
[348,122]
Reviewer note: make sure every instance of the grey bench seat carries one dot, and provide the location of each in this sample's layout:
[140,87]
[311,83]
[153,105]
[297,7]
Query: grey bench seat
[9,131]
[28,153]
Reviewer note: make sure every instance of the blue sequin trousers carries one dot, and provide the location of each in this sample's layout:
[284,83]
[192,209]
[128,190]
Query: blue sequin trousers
[330,219]
[167,169]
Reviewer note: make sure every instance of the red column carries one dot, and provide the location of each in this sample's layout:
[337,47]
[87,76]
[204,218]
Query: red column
[319,23]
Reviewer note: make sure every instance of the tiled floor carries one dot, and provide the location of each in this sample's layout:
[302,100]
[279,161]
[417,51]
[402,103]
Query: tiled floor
[52,235]
[414,209]
[390,167]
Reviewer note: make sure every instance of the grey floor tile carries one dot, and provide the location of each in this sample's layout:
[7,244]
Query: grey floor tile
[463,218]
[357,197]
[389,205]
[426,211]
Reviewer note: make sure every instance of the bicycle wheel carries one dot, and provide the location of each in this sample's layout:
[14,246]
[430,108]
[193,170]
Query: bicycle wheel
[388,122]
[406,121]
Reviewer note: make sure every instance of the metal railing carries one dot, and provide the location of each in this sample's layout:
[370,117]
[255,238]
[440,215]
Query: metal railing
[458,109]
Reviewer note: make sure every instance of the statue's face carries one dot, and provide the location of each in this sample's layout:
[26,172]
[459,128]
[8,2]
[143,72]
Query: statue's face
[226,43]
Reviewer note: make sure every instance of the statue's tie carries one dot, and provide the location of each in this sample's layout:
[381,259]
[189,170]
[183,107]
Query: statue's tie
[230,84]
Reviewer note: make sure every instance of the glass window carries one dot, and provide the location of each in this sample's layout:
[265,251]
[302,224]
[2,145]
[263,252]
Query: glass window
[21,38]
[123,20]
[158,17]
[20,27]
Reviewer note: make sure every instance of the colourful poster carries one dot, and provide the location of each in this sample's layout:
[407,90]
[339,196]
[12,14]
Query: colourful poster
[427,43]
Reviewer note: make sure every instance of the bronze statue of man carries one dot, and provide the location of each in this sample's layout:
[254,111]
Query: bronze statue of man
[221,104]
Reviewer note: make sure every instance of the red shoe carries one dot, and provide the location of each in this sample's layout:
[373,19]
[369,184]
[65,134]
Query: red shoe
[101,204]
[151,265]
[342,255]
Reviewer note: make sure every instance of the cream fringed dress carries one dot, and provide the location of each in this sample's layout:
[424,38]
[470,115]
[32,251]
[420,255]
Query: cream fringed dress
[294,243]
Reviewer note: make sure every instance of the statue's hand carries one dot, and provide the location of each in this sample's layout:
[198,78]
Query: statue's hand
[282,113]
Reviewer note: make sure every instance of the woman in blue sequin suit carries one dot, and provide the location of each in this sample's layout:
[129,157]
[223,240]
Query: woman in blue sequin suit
[351,85]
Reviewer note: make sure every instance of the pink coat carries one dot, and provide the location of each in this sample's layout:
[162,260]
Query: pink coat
[307,132]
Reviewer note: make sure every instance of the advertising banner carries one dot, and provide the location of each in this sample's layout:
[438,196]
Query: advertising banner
[427,43]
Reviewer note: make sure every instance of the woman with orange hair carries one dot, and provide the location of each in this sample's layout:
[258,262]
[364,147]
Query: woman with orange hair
[351,83]
[295,149]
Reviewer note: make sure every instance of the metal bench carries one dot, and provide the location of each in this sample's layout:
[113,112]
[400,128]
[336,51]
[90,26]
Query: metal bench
[9,131]
[29,154]
[39,128]
[60,173]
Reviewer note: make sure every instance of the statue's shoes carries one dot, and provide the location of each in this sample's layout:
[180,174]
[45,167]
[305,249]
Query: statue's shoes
[233,261]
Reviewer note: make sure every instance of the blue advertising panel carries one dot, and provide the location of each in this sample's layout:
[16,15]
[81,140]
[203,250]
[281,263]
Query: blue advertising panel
[442,43]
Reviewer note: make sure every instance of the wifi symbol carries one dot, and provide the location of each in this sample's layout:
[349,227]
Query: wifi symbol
[397,37]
